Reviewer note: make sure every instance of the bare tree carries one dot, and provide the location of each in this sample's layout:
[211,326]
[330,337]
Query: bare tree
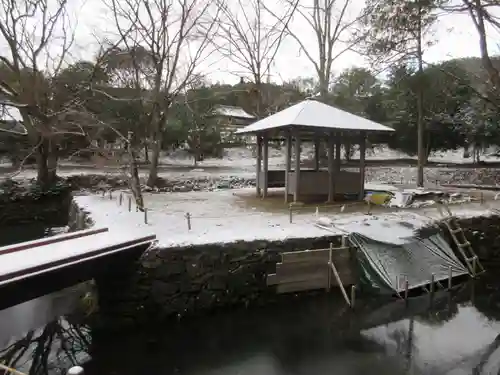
[332,23]
[250,37]
[174,36]
[37,36]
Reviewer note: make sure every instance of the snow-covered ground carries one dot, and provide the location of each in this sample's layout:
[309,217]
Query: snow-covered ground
[245,157]
[228,216]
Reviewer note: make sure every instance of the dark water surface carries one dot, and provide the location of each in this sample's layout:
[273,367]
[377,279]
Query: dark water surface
[319,335]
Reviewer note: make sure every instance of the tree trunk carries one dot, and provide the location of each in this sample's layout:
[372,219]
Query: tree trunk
[46,162]
[153,167]
[134,182]
[420,108]
[52,158]
[42,170]
[146,151]
[483,43]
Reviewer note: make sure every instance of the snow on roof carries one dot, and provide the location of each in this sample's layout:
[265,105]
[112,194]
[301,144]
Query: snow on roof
[230,111]
[311,113]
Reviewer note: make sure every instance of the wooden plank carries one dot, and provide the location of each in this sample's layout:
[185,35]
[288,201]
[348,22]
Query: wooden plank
[302,267]
[311,284]
[318,255]
[290,275]
[50,240]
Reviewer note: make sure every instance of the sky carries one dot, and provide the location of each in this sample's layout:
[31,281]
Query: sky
[454,36]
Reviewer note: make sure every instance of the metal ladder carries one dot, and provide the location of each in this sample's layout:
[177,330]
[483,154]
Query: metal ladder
[464,247]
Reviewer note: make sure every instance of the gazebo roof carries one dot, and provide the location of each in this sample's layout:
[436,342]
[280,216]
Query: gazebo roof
[313,114]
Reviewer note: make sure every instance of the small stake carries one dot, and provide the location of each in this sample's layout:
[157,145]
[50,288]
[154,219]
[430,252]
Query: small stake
[129,204]
[353,296]
[120,200]
[343,242]
[474,266]
[481,197]
[290,213]
[317,211]
[397,284]
[449,278]
[110,195]
[103,193]
[188,218]
[369,211]
[145,215]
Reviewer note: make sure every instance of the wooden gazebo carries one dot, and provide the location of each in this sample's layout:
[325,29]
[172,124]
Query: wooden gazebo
[314,121]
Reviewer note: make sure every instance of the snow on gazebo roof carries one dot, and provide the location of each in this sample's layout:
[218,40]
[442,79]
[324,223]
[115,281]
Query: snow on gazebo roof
[313,114]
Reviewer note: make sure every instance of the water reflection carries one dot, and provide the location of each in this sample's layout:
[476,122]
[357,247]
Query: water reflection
[313,336]
[44,335]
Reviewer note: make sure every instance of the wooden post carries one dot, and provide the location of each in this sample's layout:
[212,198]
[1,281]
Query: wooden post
[449,278]
[129,204]
[406,289]
[296,193]
[145,215]
[266,165]
[474,264]
[331,169]
[290,213]
[288,163]
[120,200]
[343,241]
[337,277]
[188,218]
[353,296]
[337,162]
[103,193]
[316,152]
[259,164]
[110,195]
[362,156]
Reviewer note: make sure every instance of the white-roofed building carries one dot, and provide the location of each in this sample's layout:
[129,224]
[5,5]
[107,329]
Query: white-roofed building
[230,119]
[311,120]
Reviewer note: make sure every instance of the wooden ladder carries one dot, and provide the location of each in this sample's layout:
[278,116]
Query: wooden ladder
[463,245]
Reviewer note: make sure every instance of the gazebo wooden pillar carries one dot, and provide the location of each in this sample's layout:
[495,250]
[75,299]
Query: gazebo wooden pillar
[317,145]
[265,169]
[288,163]
[362,158]
[331,165]
[296,193]
[258,165]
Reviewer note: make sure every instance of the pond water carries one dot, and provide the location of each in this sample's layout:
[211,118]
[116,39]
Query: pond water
[459,334]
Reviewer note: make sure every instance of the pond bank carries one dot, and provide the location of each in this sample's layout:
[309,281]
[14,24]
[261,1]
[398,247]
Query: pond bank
[23,203]
[198,278]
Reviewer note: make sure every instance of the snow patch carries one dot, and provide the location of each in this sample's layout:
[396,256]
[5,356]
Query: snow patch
[219,217]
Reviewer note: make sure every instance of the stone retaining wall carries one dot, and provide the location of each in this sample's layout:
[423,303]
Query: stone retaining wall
[189,280]
[31,206]
[78,218]
[483,232]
